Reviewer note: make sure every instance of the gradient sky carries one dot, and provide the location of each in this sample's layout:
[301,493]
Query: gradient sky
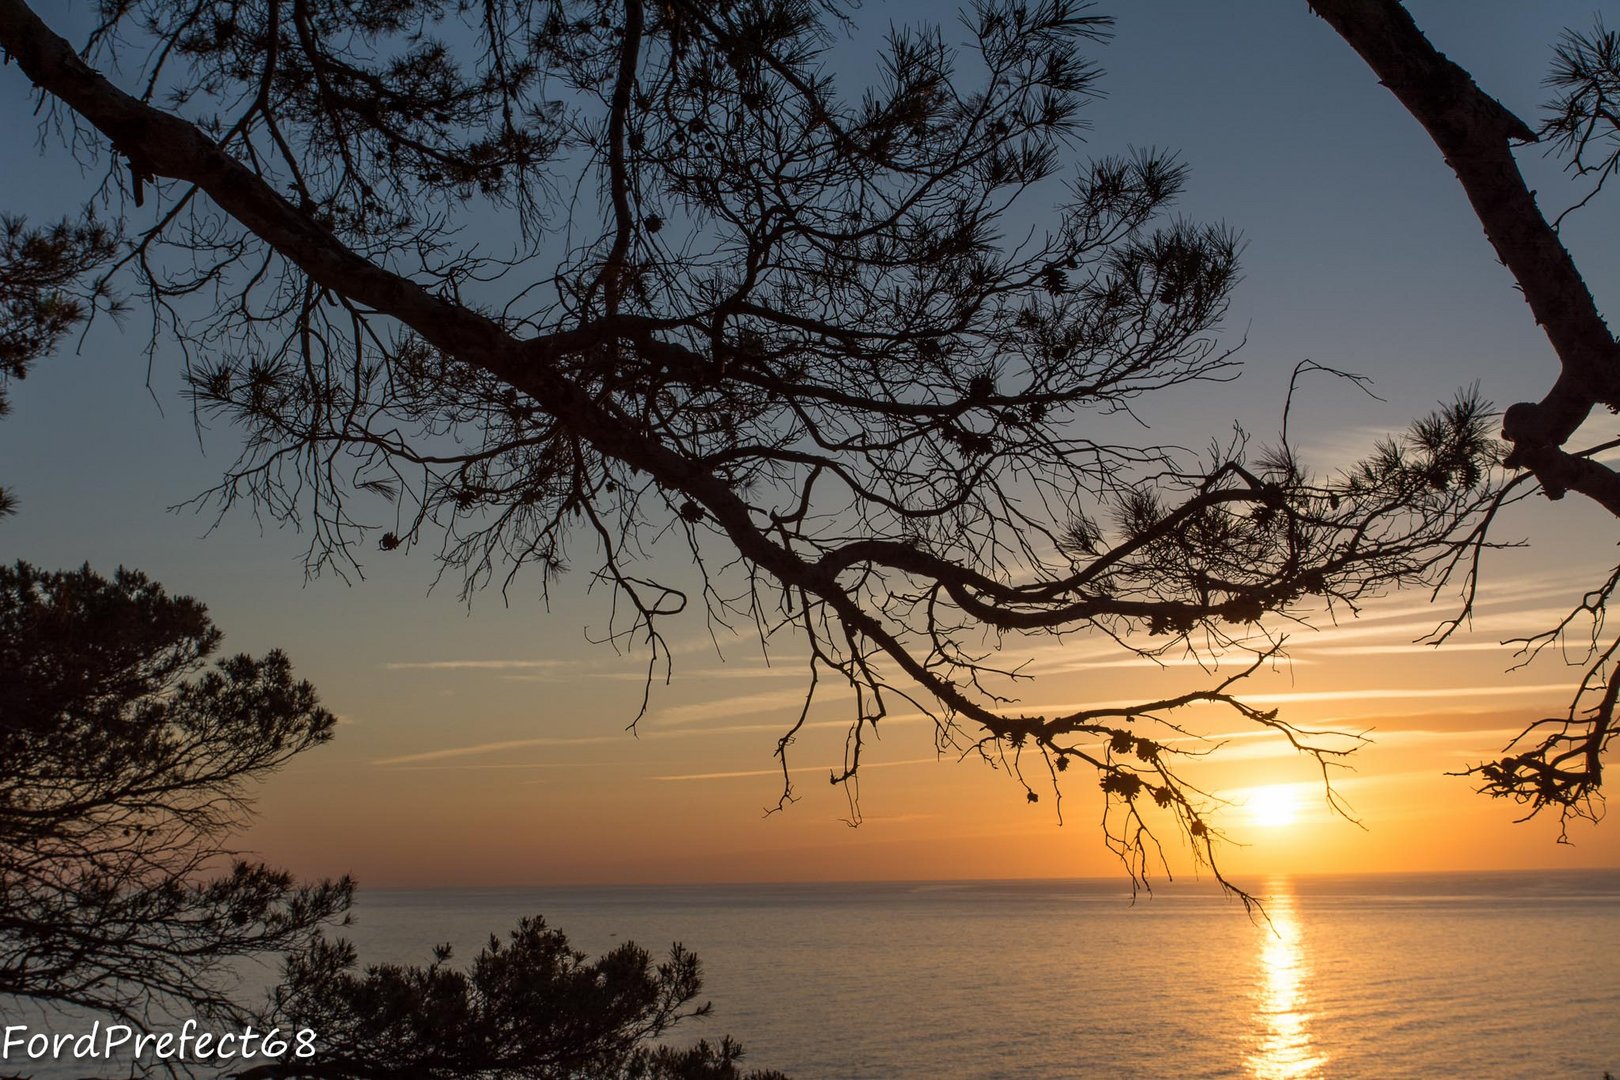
[486,746]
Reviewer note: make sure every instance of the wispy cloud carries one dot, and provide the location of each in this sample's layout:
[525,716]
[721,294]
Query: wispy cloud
[1498,610]
[1342,449]
[1458,743]
[777,702]
[475,749]
[1495,737]
[522,765]
[480,665]
[1504,622]
[720,643]
[789,668]
[741,773]
[1380,694]
[1409,648]
[706,675]
[1226,664]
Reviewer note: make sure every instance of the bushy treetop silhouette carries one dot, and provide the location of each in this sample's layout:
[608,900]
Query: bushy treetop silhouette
[128,763]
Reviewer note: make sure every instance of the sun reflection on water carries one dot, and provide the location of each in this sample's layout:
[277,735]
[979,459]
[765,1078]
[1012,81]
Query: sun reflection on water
[1283,1048]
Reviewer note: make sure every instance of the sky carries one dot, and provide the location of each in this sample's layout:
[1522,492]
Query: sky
[485,744]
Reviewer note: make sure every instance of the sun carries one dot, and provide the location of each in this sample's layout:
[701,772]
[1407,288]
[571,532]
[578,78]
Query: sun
[1273,806]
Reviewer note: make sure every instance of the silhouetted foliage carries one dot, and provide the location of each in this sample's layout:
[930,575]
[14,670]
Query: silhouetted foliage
[126,759]
[529,1007]
[125,767]
[1583,120]
[788,337]
[42,295]
[1557,762]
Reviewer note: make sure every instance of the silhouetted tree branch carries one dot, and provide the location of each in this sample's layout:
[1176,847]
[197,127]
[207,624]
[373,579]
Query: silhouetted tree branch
[1558,761]
[789,331]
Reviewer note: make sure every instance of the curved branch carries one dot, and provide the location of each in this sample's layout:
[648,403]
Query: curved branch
[1476,134]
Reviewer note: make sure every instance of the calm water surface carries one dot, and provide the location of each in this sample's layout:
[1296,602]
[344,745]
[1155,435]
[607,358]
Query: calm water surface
[1447,975]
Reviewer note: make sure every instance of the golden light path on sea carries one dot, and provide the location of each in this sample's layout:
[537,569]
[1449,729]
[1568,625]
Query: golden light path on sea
[1284,1049]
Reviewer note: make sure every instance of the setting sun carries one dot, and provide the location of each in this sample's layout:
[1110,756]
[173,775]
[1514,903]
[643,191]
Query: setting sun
[1273,806]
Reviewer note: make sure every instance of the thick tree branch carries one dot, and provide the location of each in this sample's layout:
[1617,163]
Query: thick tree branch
[1476,134]
[1557,761]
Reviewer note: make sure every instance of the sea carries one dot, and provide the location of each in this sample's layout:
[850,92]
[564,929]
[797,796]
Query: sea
[1378,977]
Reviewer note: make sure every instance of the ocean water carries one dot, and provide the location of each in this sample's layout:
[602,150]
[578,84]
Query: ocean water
[1442,975]
[1377,977]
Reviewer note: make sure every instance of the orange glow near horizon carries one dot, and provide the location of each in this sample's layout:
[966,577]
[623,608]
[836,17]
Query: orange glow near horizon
[506,766]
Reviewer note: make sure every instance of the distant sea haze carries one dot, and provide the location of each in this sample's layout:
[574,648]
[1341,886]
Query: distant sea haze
[1377,977]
